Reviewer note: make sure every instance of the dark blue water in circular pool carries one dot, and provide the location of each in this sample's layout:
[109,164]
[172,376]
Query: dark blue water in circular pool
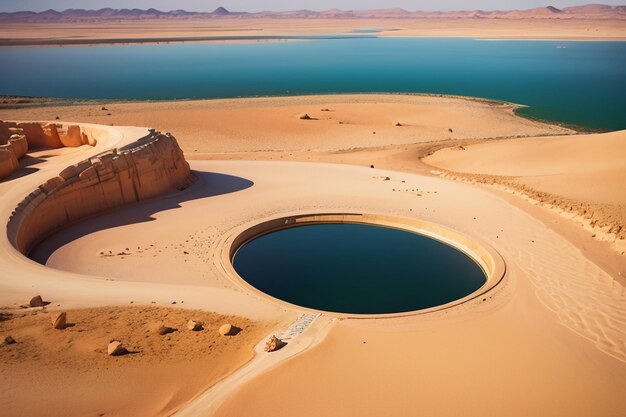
[357,269]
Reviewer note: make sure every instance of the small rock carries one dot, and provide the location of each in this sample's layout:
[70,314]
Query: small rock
[36,301]
[163,330]
[8,341]
[173,302]
[397,124]
[195,326]
[116,349]
[274,344]
[60,321]
[229,330]
[304,116]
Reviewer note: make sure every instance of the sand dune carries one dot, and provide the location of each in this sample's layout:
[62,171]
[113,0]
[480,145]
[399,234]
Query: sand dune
[585,174]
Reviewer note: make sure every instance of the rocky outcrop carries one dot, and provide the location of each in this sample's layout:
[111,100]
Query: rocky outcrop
[59,322]
[17,138]
[141,170]
[274,344]
[36,301]
[194,325]
[115,348]
[229,330]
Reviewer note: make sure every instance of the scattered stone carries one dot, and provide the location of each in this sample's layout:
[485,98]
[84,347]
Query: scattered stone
[104,109]
[163,330]
[229,330]
[195,326]
[36,301]
[274,344]
[116,349]
[325,110]
[304,116]
[8,341]
[60,321]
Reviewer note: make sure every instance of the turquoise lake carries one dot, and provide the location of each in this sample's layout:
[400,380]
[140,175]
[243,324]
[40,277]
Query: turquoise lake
[580,83]
[355,268]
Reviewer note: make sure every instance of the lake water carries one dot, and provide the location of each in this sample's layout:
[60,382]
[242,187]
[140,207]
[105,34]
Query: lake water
[352,268]
[582,83]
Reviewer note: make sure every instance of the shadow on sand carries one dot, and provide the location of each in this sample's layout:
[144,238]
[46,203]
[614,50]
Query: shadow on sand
[208,184]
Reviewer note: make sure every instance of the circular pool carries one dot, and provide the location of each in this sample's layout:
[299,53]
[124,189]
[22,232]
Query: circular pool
[356,268]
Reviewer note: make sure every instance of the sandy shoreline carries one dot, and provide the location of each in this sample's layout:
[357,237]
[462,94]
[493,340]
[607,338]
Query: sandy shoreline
[553,330]
[273,29]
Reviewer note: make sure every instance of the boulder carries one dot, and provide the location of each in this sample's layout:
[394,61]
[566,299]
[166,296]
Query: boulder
[304,116]
[274,344]
[60,321]
[194,325]
[115,348]
[8,341]
[229,330]
[36,301]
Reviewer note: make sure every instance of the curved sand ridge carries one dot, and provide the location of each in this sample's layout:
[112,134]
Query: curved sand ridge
[346,364]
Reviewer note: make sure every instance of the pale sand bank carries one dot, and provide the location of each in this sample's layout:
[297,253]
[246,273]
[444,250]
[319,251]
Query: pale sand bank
[341,121]
[172,31]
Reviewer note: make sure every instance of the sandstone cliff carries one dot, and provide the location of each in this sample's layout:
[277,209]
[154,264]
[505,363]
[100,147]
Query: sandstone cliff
[17,138]
[143,169]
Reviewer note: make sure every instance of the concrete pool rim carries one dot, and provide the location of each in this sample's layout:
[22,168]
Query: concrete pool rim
[489,260]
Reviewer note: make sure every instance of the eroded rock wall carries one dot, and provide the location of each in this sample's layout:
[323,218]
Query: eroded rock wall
[143,169]
[17,138]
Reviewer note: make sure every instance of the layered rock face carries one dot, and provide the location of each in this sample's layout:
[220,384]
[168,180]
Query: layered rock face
[143,169]
[17,138]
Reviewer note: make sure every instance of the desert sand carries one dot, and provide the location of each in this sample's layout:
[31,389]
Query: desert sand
[160,373]
[228,30]
[550,339]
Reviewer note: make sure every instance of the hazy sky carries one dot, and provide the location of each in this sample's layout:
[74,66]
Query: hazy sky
[257,5]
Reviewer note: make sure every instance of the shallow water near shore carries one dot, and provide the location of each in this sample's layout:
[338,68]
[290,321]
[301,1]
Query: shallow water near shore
[357,269]
[580,83]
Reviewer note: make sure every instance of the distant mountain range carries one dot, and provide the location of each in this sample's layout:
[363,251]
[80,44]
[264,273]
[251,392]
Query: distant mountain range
[591,11]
